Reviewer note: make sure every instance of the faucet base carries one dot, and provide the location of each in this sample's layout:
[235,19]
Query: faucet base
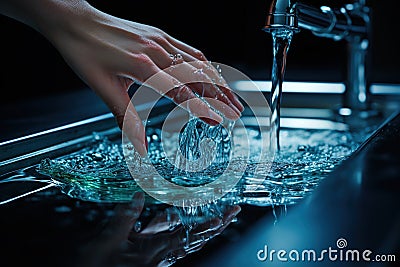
[359,118]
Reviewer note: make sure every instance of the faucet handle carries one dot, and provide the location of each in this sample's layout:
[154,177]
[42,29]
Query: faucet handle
[336,23]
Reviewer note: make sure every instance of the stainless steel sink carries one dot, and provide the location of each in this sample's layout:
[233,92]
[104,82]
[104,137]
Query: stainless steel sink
[305,106]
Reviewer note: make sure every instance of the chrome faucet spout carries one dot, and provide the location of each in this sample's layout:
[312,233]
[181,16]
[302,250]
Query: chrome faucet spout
[336,23]
[350,22]
[281,15]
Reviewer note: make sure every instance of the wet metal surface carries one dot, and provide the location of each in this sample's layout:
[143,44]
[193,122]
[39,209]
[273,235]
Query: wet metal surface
[356,203]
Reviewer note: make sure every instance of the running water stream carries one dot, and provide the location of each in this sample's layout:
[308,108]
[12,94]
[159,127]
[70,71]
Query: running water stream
[281,39]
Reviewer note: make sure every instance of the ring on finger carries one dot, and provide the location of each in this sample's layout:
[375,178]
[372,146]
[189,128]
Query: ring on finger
[176,58]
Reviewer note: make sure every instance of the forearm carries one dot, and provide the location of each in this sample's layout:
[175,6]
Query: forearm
[45,15]
[110,53]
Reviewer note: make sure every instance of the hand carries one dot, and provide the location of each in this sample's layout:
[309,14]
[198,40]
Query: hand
[106,248]
[109,54]
[166,239]
[163,241]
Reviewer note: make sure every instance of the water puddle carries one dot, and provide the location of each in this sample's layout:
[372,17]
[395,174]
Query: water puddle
[306,157]
[100,173]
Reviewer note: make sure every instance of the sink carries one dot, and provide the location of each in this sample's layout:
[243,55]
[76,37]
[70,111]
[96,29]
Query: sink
[307,106]
[309,125]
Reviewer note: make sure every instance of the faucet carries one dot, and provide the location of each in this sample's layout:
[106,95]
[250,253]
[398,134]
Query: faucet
[350,22]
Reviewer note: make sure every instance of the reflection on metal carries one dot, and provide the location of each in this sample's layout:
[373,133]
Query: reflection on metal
[385,89]
[58,129]
[301,123]
[26,194]
[345,111]
[291,87]
[313,87]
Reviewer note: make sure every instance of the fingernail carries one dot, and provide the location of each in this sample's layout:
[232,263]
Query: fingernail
[235,99]
[234,113]
[209,121]
[237,111]
[137,201]
[138,197]
[136,205]
[237,210]
[215,222]
[230,111]
[214,116]
[238,104]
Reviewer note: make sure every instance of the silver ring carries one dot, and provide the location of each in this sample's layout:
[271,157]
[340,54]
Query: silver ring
[137,227]
[170,259]
[176,58]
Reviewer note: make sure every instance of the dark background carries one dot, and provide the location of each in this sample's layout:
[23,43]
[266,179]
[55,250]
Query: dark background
[226,31]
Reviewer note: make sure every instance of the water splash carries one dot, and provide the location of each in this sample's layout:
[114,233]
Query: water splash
[203,149]
[100,173]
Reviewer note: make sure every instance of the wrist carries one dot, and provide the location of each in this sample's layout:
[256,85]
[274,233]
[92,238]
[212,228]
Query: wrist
[58,17]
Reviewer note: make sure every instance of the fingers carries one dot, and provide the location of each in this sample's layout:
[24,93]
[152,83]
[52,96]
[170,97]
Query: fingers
[142,68]
[163,221]
[123,219]
[113,90]
[165,247]
[133,128]
[197,58]
[217,78]
[185,64]
[172,85]
[194,75]
[209,226]
[228,217]
[206,230]
[193,52]
[169,258]
[207,81]
[183,96]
